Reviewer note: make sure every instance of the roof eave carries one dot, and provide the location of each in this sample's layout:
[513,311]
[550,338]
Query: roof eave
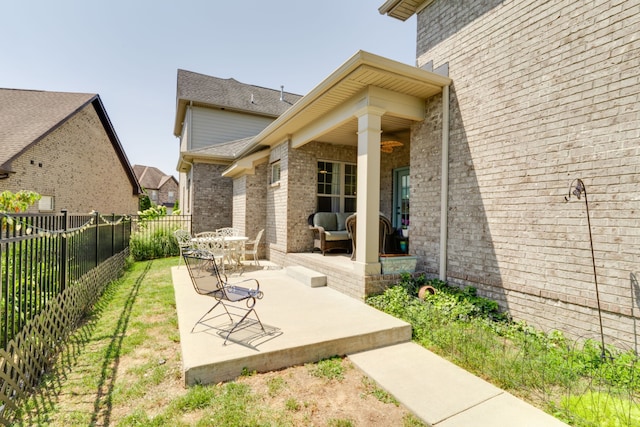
[403,9]
[115,141]
[246,165]
[269,135]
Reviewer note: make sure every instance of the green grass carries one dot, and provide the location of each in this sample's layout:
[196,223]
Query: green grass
[544,368]
[122,367]
[330,369]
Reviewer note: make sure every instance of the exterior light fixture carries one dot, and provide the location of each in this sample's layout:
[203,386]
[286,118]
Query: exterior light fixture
[388,146]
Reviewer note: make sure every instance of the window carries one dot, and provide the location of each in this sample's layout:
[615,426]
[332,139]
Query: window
[46,203]
[153,195]
[275,172]
[170,197]
[336,187]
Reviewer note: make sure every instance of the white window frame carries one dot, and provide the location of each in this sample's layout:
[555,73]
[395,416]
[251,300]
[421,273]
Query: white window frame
[276,172]
[340,194]
[46,204]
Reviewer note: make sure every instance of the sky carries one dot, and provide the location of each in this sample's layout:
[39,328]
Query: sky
[129,52]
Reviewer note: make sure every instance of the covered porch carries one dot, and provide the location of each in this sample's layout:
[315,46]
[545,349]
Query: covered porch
[345,121]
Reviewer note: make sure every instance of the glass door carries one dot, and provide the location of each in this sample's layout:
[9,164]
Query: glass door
[401,198]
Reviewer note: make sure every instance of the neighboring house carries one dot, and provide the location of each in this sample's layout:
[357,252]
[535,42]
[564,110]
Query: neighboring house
[508,105]
[161,189]
[64,147]
[214,118]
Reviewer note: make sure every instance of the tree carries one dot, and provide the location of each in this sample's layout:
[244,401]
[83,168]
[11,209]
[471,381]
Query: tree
[18,202]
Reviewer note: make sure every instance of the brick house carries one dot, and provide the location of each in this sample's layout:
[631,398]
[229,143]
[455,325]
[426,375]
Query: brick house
[63,146]
[215,119]
[161,189]
[543,93]
[507,106]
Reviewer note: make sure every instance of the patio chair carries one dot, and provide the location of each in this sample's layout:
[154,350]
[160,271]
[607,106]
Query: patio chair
[184,242]
[384,230]
[228,231]
[251,247]
[211,245]
[208,281]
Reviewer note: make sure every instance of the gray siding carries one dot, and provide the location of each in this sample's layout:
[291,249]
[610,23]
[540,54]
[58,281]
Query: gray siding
[212,127]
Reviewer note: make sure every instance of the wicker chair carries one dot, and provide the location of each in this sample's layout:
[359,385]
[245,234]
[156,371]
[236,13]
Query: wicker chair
[385,229]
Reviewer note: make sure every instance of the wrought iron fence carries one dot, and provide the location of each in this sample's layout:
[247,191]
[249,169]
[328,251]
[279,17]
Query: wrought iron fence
[43,254]
[53,268]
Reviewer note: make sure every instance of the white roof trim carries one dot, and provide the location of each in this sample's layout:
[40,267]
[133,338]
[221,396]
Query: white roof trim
[246,165]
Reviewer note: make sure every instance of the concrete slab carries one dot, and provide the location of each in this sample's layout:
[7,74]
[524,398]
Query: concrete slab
[307,276]
[504,410]
[302,325]
[443,394]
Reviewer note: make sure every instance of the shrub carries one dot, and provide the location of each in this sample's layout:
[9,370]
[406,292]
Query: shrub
[159,243]
[542,366]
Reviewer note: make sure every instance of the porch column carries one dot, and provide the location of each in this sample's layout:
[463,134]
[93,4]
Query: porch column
[368,190]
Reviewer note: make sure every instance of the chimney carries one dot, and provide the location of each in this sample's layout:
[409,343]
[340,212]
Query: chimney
[281,93]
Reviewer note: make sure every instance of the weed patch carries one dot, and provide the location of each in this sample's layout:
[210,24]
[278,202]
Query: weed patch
[541,367]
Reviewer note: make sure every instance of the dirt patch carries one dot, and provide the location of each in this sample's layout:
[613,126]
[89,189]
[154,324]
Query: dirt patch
[318,401]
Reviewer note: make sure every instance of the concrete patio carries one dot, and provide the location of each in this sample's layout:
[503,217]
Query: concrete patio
[305,324]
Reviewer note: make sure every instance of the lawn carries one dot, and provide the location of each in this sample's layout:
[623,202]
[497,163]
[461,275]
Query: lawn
[122,367]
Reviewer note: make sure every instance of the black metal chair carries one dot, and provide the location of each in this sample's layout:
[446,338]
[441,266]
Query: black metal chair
[208,281]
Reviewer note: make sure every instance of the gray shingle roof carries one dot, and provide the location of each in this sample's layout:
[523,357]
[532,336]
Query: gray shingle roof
[150,178]
[225,150]
[232,94]
[28,115]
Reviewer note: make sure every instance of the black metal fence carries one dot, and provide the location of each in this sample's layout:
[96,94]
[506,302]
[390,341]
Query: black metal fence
[42,254]
[53,268]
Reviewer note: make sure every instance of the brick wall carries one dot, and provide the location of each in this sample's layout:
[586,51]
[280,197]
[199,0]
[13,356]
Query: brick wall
[544,92]
[78,166]
[163,192]
[212,197]
[277,202]
[250,204]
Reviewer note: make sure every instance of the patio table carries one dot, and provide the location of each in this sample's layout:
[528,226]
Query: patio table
[232,246]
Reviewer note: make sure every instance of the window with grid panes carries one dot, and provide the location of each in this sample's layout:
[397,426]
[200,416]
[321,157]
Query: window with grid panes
[336,187]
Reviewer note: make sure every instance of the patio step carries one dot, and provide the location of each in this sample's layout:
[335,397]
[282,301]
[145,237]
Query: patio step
[307,276]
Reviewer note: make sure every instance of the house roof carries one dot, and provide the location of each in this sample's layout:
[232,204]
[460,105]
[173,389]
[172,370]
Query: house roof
[151,178]
[230,94]
[27,116]
[402,9]
[225,151]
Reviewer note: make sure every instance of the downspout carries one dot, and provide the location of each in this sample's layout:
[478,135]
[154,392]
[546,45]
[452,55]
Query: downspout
[444,185]
[188,147]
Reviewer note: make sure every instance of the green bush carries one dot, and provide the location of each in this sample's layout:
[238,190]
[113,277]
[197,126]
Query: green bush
[543,367]
[160,243]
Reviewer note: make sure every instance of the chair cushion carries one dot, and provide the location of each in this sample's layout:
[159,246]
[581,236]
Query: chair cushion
[341,218]
[326,220]
[336,235]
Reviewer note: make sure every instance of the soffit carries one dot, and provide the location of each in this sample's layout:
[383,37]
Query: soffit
[361,71]
[402,9]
